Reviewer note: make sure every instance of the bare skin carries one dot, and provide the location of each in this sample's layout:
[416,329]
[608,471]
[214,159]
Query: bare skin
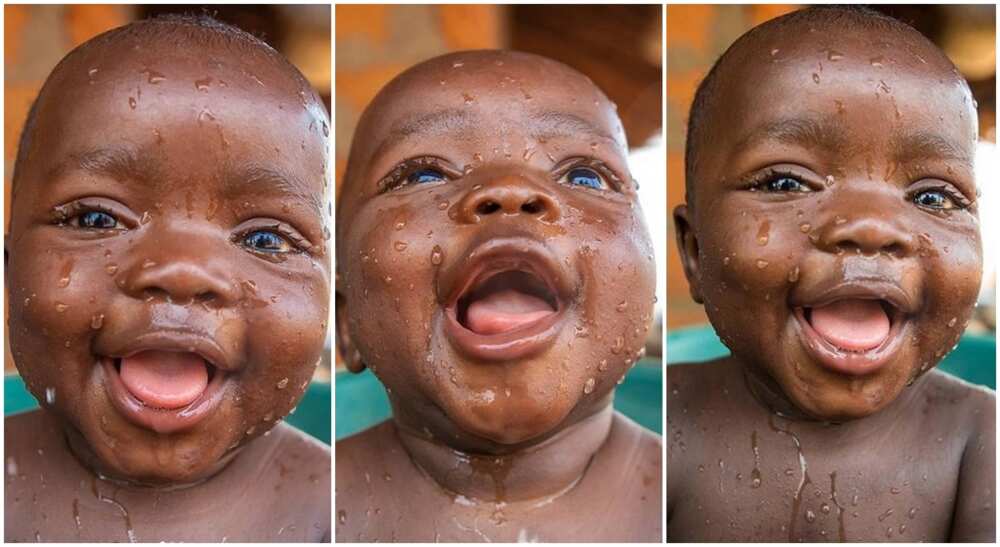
[862,188]
[468,161]
[170,201]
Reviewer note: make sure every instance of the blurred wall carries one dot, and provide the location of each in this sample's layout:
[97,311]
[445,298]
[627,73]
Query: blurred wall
[698,34]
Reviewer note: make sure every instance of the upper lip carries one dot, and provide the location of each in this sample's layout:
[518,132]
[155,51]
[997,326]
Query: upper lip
[500,255]
[835,290]
[176,340]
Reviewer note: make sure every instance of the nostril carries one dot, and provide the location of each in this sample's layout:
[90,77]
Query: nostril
[487,207]
[533,207]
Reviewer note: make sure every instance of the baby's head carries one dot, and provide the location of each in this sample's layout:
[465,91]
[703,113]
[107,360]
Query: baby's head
[494,268]
[166,260]
[830,227]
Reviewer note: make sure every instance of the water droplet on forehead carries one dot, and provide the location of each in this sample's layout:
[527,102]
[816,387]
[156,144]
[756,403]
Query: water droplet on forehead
[815,77]
[203,84]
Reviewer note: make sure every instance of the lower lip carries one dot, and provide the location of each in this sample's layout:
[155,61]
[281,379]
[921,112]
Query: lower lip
[161,420]
[520,343]
[853,363]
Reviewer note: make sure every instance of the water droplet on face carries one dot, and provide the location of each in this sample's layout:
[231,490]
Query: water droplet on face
[96,321]
[622,306]
[469,99]
[90,75]
[793,275]
[282,383]
[50,395]
[912,512]
[437,256]
[341,516]
[824,508]
[952,321]
[146,264]
[457,64]
[810,516]
[111,269]
[11,466]
[761,264]
[588,387]
[443,205]
[763,233]
[619,344]
[834,55]
[839,220]
[877,61]
[603,365]
[131,103]
[885,515]
[815,78]
[400,246]
[400,225]
[63,282]
[60,307]
[203,84]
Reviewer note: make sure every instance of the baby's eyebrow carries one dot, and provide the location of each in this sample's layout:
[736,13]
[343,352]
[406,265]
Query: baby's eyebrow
[451,120]
[924,145]
[798,131]
[257,179]
[552,123]
[120,163]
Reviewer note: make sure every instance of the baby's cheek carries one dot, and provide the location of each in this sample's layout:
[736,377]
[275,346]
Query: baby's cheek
[953,274]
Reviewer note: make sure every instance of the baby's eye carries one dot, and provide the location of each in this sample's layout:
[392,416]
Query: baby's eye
[582,176]
[97,220]
[934,199]
[786,184]
[425,175]
[266,241]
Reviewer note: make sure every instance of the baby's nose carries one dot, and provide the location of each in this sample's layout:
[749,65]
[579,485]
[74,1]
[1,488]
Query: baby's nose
[868,230]
[508,195]
[181,279]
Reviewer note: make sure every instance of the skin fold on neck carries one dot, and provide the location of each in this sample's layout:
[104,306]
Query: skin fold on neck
[549,468]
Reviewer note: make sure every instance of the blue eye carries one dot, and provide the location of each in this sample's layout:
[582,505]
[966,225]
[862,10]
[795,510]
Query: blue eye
[581,176]
[265,241]
[934,199]
[423,176]
[97,220]
[786,184]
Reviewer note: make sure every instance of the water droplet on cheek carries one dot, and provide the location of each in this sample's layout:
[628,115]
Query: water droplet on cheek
[761,264]
[131,103]
[50,395]
[815,78]
[97,321]
[400,246]
[282,383]
[60,307]
[437,256]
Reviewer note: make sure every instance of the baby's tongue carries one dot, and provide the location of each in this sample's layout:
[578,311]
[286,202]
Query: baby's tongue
[165,379]
[854,325]
[504,311]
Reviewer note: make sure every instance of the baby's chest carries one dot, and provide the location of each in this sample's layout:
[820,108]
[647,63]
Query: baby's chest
[772,492]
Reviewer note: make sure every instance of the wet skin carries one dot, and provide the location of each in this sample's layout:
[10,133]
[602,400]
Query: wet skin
[208,173]
[483,430]
[882,132]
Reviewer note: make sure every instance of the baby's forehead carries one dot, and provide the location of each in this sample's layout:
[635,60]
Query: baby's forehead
[490,93]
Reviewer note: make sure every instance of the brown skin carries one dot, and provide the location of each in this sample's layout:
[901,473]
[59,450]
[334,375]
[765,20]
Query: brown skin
[929,446]
[177,260]
[549,423]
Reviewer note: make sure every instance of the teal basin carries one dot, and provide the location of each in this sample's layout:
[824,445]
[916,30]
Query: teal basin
[362,402]
[312,415]
[974,360]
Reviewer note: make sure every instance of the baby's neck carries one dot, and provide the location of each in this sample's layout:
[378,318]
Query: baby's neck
[544,470]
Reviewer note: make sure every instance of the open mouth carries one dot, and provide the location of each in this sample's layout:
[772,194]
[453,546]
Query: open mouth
[506,303]
[854,336]
[165,391]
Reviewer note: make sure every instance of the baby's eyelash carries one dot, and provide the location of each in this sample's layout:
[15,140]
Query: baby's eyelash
[567,165]
[397,177]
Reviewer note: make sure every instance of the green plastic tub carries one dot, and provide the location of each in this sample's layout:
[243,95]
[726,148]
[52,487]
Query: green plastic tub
[362,402]
[312,415]
[974,360]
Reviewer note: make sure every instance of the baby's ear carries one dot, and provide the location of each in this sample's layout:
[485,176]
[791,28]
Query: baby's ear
[687,243]
[350,354]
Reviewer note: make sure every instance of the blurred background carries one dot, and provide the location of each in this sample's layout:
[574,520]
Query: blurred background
[37,37]
[619,47]
[698,34]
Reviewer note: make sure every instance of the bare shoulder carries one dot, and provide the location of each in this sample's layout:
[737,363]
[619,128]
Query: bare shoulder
[961,405]
[311,452]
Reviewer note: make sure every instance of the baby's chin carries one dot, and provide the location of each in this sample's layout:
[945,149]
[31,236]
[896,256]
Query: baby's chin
[125,452]
[841,398]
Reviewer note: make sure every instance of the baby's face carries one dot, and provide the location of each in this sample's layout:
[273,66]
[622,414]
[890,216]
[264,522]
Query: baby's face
[839,247]
[167,267]
[496,271]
